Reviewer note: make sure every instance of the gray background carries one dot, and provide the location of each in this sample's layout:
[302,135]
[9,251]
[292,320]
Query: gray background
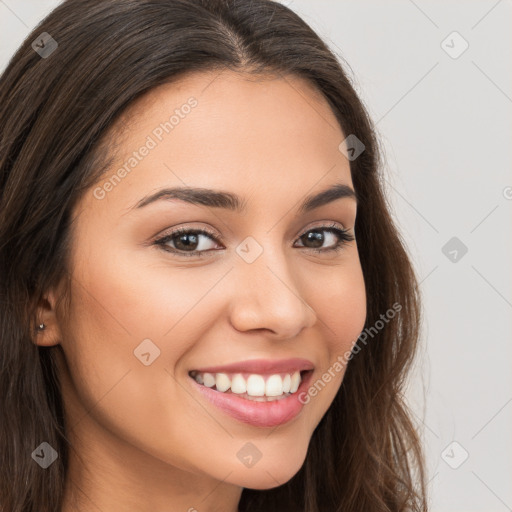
[445,125]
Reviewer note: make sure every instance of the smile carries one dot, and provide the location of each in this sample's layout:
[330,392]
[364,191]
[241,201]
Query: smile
[260,400]
[251,386]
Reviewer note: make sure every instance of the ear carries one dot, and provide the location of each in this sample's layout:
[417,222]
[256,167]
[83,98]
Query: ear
[47,314]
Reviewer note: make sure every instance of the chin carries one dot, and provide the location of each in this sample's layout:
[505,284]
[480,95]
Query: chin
[266,476]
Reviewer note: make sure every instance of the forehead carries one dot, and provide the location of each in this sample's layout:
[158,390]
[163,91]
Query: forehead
[245,92]
[230,131]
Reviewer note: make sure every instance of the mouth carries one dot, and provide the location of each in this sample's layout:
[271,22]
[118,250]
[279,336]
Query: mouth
[252,386]
[257,399]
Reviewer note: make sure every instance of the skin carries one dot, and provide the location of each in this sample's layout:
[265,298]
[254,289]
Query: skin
[143,437]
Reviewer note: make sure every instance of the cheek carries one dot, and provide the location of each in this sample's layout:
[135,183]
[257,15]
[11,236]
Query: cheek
[117,305]
[340,304]
[129,296]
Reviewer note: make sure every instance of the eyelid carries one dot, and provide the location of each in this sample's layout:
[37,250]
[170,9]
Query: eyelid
[323,225]
[318,224]
[217,238]
[163,239]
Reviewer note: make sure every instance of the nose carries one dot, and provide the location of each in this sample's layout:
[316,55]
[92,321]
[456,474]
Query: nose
[267,296]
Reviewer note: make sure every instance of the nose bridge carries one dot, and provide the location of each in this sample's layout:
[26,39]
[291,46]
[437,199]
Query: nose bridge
[267,295]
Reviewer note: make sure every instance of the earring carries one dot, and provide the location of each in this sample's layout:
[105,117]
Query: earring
[41,327]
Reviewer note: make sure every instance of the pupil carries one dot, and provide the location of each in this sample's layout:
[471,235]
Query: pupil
[316,237]
[182,240]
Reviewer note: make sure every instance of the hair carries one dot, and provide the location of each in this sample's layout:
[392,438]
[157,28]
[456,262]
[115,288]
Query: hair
[57,114]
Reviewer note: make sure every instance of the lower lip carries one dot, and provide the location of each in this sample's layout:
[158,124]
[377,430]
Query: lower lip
[258,414]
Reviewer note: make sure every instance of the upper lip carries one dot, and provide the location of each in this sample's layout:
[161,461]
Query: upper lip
[261,366]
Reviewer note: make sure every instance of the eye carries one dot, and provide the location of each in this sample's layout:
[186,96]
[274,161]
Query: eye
[340,236]
[187,241]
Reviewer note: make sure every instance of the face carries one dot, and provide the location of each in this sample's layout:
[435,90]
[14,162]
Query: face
[252,279]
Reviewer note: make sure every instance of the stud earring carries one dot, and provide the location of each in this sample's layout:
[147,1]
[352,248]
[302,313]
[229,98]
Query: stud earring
[41,327]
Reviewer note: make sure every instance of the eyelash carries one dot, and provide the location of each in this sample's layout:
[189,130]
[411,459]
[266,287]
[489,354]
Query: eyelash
[343,235]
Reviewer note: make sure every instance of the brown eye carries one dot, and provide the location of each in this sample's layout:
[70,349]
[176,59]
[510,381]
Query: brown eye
[187,242]
[194,242]
[314,238]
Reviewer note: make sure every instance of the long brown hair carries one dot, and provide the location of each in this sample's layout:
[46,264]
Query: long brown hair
[55,109]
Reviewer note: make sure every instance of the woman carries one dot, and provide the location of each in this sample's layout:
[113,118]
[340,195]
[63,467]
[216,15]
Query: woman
[206,305]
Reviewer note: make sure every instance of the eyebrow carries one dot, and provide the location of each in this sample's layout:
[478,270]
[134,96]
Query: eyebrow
[233,202]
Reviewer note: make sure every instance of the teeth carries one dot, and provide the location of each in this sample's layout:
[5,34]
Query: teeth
[208,380]
[238,384]
[295,381]
[253,386]
[274,386]
[222,382]
[286,384]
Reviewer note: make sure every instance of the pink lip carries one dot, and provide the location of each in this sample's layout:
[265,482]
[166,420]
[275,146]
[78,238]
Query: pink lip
[261,366]
[258,414]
